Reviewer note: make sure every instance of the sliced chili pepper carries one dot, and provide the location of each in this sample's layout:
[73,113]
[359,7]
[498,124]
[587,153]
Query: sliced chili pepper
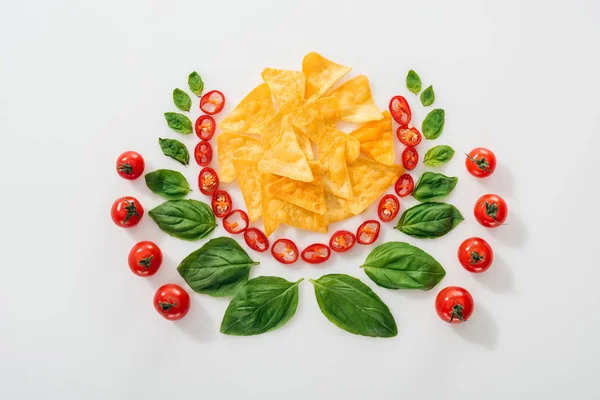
[221,203]
[203,153]
[236,221]
[368,232]
[256,239]
[285,251]
[316,253]
[208,181]
[409,135]
[388,208]
[400,110]
[410,158]
[212,102]
[205,127]
[342,241]
[404,185]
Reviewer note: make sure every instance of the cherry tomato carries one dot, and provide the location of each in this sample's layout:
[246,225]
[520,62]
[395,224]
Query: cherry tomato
[368,232]
[404,185]
[342,241]
[236,221]
[490,210]
[208,181]
[410,158]
[212,102]
[388,208]
[126,212]
[130,165]
[481,162]
[454,304]
[285,251]
[145,258]
[475,254]
[400,110]
[221,203]
[316,253]
[256,239]
[172,301]
[409,135]
[203,153]
[205,127]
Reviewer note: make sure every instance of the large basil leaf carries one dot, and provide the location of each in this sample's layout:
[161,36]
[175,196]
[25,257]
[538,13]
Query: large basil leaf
[167,183]
[438,155]
[413,82]
[182,100]
[175,149]
[179,122]
[433,185]
[428,96]
[353,306]
[398,265]
[196,84]
[429,220]
[433,124]
[184,219]
[261,305]
[218,268]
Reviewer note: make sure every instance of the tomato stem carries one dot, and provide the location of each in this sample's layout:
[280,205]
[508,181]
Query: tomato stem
[131,210]
[481,163]
[476,257]
[491,209]
[126,168]
[457,311]
[145,262]
[166,305]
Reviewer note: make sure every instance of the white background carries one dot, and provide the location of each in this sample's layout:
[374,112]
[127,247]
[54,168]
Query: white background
[82,81]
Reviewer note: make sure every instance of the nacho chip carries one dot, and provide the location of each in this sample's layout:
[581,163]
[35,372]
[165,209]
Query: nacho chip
[320,74]
[287,87]
[252,114]
[273,129]
[270,223]
[305,145]
[327,138]
[249,181]
[337,210]
[377,139]
[335,171]
[308,195]
[312,118]
[235,145]
[294,216]
[356,102]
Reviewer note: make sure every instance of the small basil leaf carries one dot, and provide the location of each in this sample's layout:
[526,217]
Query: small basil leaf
[179,122]
[413,82]
[184,219]
[438,155]
[433,124]
[219,268]
[429,220]
[167,183]
[182,100]
[196,84]
[428,96]
[353,306]
[261,305]
[433,185]
[175,149]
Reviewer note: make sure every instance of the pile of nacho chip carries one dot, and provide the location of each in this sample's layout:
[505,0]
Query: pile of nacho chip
[292,164]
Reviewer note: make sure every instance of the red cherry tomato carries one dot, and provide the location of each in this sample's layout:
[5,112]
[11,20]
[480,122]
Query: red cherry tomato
[130,165]
[145,258]
[342,241]
[404,185]
[236,221]
[126,212]
[368,232]
[475,255]
[400,110]
[316,253]
[256,240]
[221,203]
[481,162]
[490,210]
[409,135]
[172,301]
[285,251]
[212,102]
[205,127]
[388,208]
[208,181]
[410,158]
[203,153]
[454,304]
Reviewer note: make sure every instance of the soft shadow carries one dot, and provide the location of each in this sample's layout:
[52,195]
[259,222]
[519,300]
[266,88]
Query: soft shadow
[499,278]
[501,182]
[480,329]
[197,324]
[513,233]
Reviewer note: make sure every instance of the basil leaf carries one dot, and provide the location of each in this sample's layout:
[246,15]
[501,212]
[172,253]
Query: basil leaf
[433,185]
[175,149]
[179,123]
[184,219]
[413,82]
[428,96]
[398,265]
[167,183]
[219,268]
[196,84]
[429,220]
[263,304]
[433,124]
[353,306]
[182,100]
[438,155]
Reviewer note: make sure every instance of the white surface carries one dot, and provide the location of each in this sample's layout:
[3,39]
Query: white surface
[82,81]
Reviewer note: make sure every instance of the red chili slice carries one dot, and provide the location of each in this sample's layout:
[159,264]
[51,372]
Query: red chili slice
[404,185]
[368,232]
[285,251]
[203,153]
[208,181]
[316,253]
[221,203]
[205,127]
[212,102]
[256,239]
[410,158]
[342,241]
[388,208]
[409,135]
[236,222]
[400,110]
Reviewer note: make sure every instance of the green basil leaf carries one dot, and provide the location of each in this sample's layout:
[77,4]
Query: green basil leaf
[438,155]
[433,124]
[413,82]
[429,220]
[428,96]
[196,84]
[175,149]
[433,185]
[167,183]
[219,268]
[182,100]
[184,219]
[179,122]
[261,305]
[398,265]
[353,306]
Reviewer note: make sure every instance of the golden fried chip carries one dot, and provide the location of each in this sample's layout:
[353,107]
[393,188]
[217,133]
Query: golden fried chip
[294,216]
[249,181]
[287,87]
[234,145]
[335,171]
[320,74]
[305,145]
[377,139]
[328,136]
[252,114]
[312,118]
[270,223]
[337,210]
[308,195]
[356,102]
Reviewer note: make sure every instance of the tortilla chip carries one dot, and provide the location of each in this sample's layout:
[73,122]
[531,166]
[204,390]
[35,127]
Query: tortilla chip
[305,145]
[270,223]
[252,114]
[234,145]
[308,195]
[377,139]
[320,74]
[356,101]
[337,210]
[294,216]
[312,118]
[335,171]
[287,87]
[327,138]
[249,181]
